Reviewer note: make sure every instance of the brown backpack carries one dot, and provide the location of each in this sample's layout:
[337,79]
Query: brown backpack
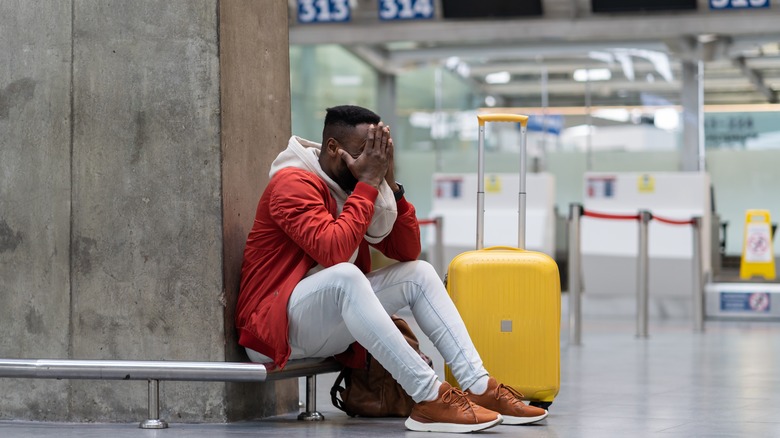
[373,392]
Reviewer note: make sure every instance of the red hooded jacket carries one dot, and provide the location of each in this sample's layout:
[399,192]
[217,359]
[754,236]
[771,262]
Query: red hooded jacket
[297,227]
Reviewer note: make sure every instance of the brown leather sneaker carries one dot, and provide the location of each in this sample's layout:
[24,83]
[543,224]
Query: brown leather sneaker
[508,402]
[451,412]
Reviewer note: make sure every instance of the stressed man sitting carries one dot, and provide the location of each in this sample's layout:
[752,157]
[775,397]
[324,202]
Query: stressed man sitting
[307,288]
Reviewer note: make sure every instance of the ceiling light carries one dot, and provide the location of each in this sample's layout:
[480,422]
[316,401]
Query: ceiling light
[771,49]
[421,119]
[346,80]
[614,114]
[452,62]
[707,38]
[463,70]
[490,101]
[666,118]
[501,77]
[593,74]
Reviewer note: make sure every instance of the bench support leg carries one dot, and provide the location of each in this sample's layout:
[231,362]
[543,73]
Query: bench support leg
[154,422]
[311,414]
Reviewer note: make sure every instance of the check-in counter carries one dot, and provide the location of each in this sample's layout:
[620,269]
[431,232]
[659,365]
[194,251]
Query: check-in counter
[609,247]
[455,200]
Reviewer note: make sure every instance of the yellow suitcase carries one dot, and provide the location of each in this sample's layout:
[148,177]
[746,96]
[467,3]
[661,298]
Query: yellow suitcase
[510,298]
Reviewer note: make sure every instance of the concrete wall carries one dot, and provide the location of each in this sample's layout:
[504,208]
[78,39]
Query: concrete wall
[35,188]
[124,138]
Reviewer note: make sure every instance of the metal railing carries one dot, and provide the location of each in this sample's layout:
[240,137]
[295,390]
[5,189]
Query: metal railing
[155,371]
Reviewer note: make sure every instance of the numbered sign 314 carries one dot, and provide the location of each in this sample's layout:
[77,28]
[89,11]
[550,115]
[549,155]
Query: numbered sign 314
[738,4]
[405,9]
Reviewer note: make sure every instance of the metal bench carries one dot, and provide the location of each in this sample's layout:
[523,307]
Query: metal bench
[154,371]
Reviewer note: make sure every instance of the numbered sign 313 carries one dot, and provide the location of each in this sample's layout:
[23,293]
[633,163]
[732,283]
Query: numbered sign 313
[323,11]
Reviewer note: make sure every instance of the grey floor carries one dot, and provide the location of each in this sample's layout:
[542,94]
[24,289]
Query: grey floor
[722,383]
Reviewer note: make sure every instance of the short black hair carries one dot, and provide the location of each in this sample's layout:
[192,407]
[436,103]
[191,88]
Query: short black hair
[345,117]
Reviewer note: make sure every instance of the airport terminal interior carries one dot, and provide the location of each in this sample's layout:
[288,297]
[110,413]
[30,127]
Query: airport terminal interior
[652,148]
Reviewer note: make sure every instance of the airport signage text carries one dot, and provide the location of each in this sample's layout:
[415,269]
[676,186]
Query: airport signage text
[405,9]
[738,4]
[323,11]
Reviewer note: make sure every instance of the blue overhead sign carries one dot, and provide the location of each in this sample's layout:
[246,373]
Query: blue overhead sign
[738,4]
[405,9]
[552,123]
[323,11]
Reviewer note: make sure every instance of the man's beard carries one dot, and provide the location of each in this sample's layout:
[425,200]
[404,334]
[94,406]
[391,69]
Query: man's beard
[346,180]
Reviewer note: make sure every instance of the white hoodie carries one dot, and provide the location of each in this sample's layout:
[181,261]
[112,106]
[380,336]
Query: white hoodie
[304,154]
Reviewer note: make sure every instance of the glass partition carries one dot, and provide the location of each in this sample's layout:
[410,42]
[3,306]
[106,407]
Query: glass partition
[436,131]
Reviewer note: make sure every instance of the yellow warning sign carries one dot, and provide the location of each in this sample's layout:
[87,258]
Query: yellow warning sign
[758,257]
[646,183]
[492,184]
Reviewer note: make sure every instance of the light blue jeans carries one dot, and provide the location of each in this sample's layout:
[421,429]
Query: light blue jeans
[339,305]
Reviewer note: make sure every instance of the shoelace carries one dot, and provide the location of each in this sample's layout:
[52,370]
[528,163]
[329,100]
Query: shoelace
[516,395]
[457,397]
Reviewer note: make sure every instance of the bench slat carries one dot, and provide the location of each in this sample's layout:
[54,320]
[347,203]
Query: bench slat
[161,370]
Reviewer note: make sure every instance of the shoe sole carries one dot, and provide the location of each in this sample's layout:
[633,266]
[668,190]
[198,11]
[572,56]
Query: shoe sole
[450,427]
[510,420]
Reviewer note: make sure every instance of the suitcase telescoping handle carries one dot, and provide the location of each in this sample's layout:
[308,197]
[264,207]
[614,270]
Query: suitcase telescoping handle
[523,121]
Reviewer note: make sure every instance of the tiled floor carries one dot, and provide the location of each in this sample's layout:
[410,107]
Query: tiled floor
[721,383]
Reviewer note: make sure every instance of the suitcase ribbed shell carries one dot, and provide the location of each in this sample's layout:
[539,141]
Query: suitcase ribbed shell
[510,301]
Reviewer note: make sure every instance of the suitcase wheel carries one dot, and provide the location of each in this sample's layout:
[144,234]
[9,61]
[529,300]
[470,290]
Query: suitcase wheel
[541,404]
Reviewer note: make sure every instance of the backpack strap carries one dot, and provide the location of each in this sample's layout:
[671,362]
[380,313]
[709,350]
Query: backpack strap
[337,390]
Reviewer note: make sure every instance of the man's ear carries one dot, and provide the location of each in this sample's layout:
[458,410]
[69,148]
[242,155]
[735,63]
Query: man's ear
[332,147]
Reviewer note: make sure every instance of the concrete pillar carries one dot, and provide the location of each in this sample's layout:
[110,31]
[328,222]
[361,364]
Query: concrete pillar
[256,124]
[692,99]
[386,98]
[136,138]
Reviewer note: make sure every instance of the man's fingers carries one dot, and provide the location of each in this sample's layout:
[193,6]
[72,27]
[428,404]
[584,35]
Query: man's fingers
[379,133]
[346,157]
[370,138]
[385,139]
[376,140]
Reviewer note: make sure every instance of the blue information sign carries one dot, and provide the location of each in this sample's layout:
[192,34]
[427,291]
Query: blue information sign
[738,4]
[405,9]
[323,11]
[745,302]
[552,123]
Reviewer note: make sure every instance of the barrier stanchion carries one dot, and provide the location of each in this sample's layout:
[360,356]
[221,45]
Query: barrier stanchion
[642,277]
[575,279]
[697,305]
[442,264]
[643,258]
[697,285]
[438,245]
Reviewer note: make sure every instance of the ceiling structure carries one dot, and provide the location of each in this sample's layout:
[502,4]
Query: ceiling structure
[634,59]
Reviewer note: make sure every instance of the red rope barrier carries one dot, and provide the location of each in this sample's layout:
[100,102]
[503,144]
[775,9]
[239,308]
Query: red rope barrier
[426,221]
[609,216]
[674,221]
[600,215]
